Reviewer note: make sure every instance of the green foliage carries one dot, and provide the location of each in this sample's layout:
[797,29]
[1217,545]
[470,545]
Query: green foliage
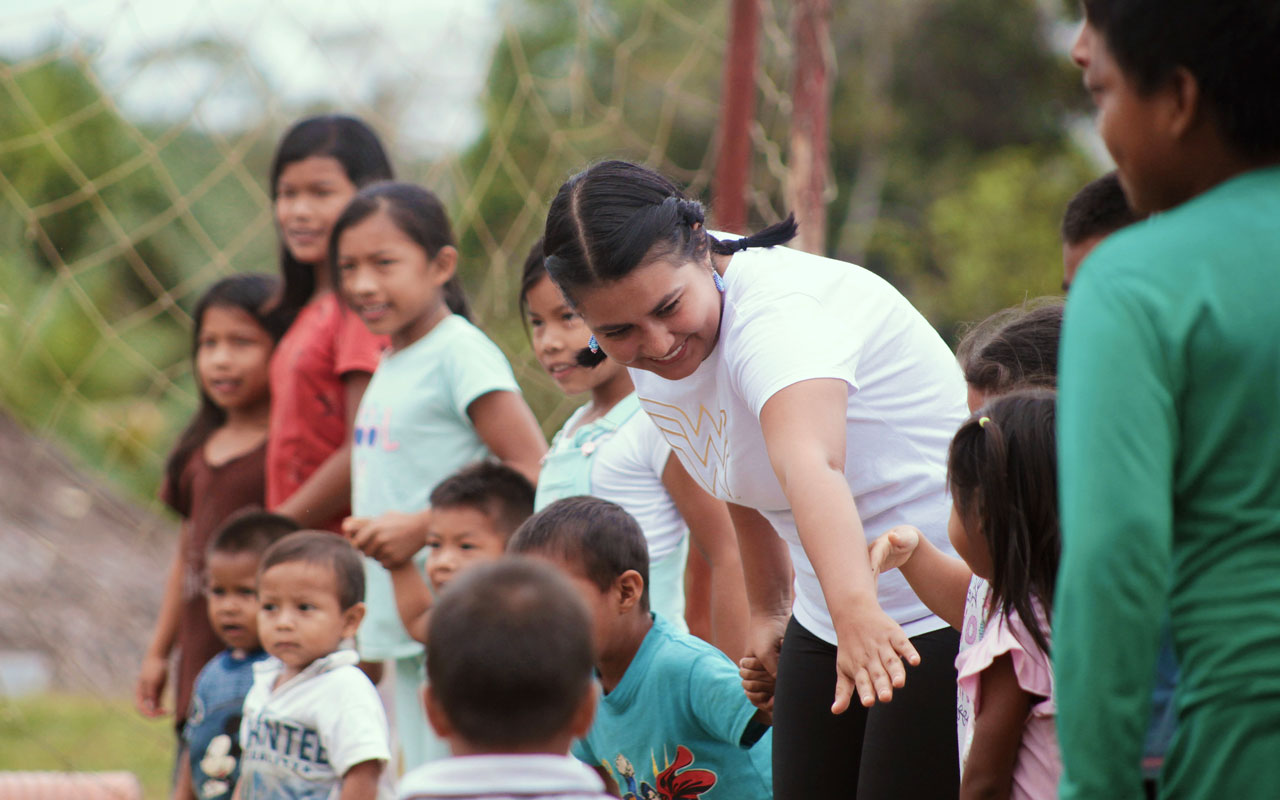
[949,159]
[108,232]
[997,235]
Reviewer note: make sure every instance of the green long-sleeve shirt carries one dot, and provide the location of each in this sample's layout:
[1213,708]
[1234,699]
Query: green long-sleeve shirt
[1169,447]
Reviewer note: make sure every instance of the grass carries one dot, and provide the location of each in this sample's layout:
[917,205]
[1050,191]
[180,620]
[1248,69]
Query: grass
[77,733]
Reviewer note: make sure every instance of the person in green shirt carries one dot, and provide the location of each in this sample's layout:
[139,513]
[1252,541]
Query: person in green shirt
[1169,420]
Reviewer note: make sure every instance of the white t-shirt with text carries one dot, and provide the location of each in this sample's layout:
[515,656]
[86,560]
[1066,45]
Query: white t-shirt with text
[789,317]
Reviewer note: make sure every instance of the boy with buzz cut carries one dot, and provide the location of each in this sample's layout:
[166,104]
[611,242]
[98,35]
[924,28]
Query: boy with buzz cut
[313,724]
[473,514]
[1097,211]
[1168,423]
[509,657]
[211,734]
[673,720]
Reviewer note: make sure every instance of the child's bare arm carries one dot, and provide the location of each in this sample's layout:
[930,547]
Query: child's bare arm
[361,781]
[154,672]
[182,789]
[413,599]
[940,581]
[997,733]
[391,538]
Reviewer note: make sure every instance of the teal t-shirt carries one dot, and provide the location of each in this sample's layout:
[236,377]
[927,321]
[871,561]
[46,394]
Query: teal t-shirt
[1169,451]
[412,431]
[674,725]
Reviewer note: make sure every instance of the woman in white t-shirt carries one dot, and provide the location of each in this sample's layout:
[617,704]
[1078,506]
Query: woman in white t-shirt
[610,449]
[812,397]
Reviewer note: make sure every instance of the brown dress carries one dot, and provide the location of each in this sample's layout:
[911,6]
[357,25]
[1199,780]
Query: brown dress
[206,496]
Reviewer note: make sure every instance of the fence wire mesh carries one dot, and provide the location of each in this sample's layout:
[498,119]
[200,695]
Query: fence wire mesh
[135,140]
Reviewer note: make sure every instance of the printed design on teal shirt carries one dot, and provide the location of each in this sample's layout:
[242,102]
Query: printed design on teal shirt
[674,782]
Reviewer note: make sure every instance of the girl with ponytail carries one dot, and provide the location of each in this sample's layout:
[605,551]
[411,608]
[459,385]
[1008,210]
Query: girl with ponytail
[810,396]
[1003,477]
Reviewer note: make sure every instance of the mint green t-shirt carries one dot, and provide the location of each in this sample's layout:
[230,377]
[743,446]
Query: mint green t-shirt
[1169,453]
[676,722]
[412,431]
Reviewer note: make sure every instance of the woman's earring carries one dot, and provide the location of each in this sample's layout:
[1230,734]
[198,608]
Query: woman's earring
[592,344]
[715,276]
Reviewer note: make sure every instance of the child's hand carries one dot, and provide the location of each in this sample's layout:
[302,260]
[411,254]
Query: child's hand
[392,538]
[894,548]
[149,690]
[757,682]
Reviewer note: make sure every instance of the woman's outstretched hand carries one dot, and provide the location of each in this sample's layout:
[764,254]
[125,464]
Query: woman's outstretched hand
[869,657]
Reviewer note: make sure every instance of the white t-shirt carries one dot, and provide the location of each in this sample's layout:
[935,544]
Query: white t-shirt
[627,470]
[298,740]
[503,777]
[788,317]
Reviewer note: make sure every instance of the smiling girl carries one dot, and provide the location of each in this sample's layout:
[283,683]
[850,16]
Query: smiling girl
[610,449]
[443,396]
[214,470]
[811,396]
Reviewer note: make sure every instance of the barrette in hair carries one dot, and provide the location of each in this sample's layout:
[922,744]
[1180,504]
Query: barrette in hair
[982,421]
[593,345]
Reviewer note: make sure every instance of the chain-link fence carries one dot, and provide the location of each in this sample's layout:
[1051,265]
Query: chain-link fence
[135,140]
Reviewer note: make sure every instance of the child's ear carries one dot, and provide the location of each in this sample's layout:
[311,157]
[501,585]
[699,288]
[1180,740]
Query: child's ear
[630,588]
[351,619]
[445,264]
[1184,106]
[435,714]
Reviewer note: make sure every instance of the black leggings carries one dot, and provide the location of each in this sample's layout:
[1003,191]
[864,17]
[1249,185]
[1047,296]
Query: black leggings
[903,749]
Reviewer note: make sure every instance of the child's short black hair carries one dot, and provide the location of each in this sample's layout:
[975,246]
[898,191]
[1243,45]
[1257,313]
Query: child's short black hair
[599,536]
[1230,46]
[1014,348]
[328,549]
[492,488]
[251,531]
[509,653]
[1099,209]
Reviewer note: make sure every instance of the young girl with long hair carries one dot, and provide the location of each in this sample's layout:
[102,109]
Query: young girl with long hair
[443,396]
[611,449]
[811,396]
[215,469]
[1004,524]
[324,361]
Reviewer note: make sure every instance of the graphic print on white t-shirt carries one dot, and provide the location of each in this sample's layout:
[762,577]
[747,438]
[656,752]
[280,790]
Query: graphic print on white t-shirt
[702,442]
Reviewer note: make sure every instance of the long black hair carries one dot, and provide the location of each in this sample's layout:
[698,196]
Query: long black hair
[615,216]
[250,294]
[1003,475]
[418,213]
[355,146]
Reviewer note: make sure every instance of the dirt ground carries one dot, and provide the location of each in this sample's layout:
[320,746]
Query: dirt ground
[81,569]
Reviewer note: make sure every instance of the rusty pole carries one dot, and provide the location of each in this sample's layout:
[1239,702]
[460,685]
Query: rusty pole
[810,104]
[737,111]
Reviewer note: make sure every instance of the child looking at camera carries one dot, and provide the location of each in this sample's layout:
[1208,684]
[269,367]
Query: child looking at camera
[211,734]
[313,723]
[473,514]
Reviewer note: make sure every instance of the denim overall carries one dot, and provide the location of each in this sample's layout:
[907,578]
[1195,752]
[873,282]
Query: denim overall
[566,472]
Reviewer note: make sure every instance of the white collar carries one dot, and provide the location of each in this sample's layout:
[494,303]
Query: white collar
[502,774]
[335,660]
